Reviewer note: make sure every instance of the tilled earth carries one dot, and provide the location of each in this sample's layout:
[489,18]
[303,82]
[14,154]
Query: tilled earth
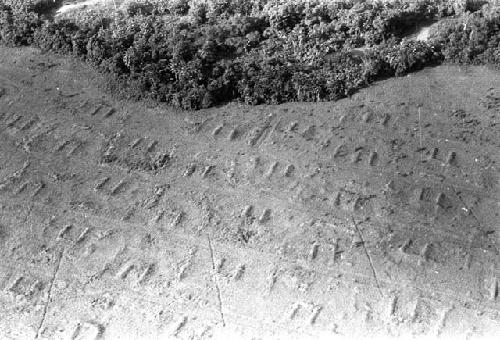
[376,215]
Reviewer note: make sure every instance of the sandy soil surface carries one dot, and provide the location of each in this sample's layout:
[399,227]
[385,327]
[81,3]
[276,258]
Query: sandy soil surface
[375,215]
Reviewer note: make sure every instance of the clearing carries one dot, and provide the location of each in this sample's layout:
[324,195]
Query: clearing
[374,215]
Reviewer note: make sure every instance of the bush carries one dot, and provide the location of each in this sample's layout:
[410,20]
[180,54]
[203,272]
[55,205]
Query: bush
[408,56]
[199,53]
[473,38]
[56,37]
[17,25]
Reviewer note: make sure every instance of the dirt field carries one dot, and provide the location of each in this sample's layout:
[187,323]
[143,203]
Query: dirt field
[376,215]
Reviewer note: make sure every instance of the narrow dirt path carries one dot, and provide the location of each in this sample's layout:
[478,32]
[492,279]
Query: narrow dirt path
[377,214]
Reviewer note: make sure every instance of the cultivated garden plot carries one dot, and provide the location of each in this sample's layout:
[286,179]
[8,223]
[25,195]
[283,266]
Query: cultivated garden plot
[341,203]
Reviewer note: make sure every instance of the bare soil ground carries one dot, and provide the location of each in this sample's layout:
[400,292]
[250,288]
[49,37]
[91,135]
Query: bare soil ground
[376,215]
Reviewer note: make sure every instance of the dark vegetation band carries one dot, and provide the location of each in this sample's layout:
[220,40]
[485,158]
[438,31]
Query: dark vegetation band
[196,54]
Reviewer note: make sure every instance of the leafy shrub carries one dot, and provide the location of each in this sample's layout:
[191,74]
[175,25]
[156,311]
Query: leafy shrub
[198,53]
[473,38]
[408,56]
[57,37]
[17,25]
[138,8]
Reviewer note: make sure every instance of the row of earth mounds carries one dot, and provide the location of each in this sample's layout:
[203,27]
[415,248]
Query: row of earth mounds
[200,53]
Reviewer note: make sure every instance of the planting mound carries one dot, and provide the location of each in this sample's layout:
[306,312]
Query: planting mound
[376,215]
